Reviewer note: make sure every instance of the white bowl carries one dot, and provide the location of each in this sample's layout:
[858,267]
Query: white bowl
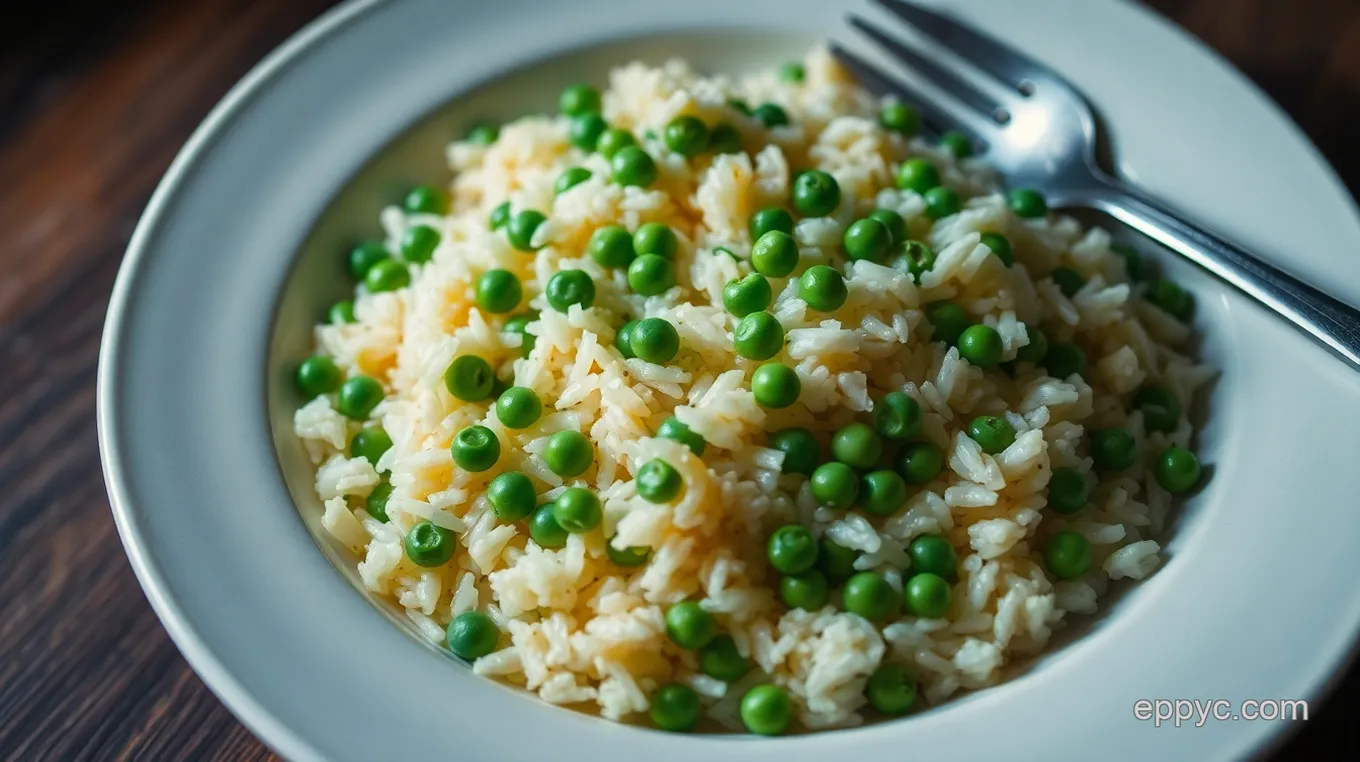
[215,302]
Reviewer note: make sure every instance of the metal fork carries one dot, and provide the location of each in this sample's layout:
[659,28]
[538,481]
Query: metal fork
[1042,134]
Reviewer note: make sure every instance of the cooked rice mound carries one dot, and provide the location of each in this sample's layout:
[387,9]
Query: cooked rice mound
[578,629]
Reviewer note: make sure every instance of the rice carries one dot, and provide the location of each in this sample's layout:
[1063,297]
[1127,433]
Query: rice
[581,630]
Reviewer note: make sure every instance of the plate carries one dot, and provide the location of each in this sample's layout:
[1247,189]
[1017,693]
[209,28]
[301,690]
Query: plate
[229,266]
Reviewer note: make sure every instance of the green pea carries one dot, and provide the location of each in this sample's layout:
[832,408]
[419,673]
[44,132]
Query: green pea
[499,216]
[748,295]
[933,554]
[341,313]
[569,287]
[724,138]
[957,143]
[675,707]
[899,117]
[770,115]
[917,175]
[318,375]
[544,529]
[740,105]
[1000,246]
[1133,261]
[1113,449]
[836,561]
[766,710]
[579,99]
[1067,280]
[918,258]
[920,462]
[891,690]
[770,218]
[993,433]
[418,243]
[570,178]
[867,239]
[980,345]
[472,635]
[758,336]
[1170,298]
[689,626]
[897,416]
[870,596]
[370,443]
[475,449]
[792,72]
[1177,470]
[816,194]
[469,378]
[1036,350]
[634,555]
[1068,490]
[656,238]
[655,340]
[519,324]
[426,199]
[376,502]
[518,407]
[1067,555]
[674,430]
[775,385]
[1027,203]
[857,445]
[659,482]
[430,545]
[835,485]
[686,135]
[800,448]
[893,222]
[791,549]
[483,134]
[585,130]
[364,256]
[358,396]
[512,496]
[386,275]
[612,140]
[1064,359]
[721,660]
[823,288]
[568,453]
[927,595]
[774,254]
[623,340]
[942,202]
[1161,410]
[651,274]
[498,291]
[808,591]
[949,321]
[633,166]
[882,493]
[521,227]
[577,510]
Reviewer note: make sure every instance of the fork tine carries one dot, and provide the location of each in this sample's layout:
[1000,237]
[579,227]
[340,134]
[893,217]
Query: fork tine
[982,50]
[939,76]
[936,119]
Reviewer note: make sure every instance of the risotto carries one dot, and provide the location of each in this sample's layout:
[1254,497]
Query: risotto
[732,402]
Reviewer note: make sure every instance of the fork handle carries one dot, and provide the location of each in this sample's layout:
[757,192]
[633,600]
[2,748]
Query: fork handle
[1331,322]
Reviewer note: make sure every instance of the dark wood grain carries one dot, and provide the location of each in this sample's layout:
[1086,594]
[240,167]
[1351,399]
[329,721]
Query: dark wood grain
[98,96]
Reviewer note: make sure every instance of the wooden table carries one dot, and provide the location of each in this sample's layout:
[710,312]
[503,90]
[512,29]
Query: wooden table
[98,96]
